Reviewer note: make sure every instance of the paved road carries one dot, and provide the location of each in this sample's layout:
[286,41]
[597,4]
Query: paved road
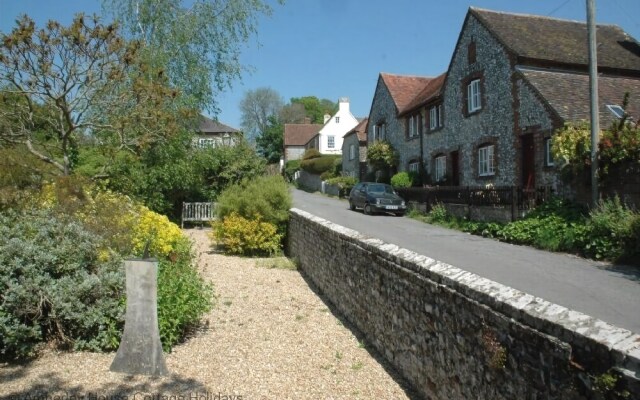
[609,293]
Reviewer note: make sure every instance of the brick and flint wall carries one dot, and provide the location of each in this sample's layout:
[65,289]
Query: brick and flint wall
[456,335]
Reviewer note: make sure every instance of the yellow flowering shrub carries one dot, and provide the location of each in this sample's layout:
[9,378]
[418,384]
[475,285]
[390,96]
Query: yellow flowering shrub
[163,235]
[124,225]
[244,236]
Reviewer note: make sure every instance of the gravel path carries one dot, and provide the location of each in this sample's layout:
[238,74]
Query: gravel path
[268,337]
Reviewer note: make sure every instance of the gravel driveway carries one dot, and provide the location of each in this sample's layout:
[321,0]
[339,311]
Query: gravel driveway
[268,337]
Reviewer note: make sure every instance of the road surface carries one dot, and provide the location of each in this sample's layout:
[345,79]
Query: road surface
[609,293]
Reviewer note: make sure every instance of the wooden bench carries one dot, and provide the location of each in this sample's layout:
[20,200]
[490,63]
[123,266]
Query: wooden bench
[197,212]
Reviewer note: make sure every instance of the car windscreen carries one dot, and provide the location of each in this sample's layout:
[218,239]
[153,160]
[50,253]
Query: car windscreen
[379,189]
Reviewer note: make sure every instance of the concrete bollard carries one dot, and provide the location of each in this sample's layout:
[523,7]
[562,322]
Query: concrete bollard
[140,351]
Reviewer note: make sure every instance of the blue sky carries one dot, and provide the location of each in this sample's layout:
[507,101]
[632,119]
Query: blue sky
[337,48]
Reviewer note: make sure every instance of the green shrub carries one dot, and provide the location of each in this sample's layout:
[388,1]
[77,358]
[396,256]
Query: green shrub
[244,236]
[290,168]
[319,165]
[54,288]
[402,180]
[266,196]
[104,227]
[381,154]
[326,175]
[344,183]
[183,296]
[310,154]
[614,231]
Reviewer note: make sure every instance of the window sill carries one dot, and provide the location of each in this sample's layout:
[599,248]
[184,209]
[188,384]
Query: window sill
[409,138]
[435,129]
[469,114]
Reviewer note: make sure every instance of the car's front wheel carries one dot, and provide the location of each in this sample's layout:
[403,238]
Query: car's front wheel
[367,209]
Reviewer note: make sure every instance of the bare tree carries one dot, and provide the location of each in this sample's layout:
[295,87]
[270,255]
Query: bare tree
[256,107]
[60,83]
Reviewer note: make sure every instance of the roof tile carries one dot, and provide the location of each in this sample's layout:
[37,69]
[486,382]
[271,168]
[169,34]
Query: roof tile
[300,134]
[561,41]
[568,94]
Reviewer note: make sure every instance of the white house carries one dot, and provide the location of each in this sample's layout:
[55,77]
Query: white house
[329,138]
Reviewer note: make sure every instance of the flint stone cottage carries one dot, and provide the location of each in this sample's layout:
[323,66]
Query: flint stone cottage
[393,93]
[354,151]
[512,81]
[213,134]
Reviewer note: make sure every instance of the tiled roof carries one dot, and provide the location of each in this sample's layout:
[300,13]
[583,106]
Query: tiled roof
[404,88]
[300,134]
[431,90]
[207,125]
[568,94]
[360,130]
[545,39]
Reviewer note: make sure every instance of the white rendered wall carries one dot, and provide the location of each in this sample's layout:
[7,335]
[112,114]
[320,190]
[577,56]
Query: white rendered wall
[337,126]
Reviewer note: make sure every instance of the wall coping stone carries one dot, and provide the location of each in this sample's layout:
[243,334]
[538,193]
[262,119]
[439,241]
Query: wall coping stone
[552,319]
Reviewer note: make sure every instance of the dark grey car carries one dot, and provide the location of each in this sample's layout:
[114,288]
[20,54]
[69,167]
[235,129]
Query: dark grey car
[375,197]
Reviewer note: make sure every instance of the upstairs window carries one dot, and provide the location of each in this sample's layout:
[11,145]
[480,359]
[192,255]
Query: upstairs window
[414,125]
[486,160]
[474,98]
[352,151]
[337,120]
[331,142]
[379,131]
[435,117]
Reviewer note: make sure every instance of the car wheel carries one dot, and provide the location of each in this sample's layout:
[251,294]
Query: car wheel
[352,206]
[367,209]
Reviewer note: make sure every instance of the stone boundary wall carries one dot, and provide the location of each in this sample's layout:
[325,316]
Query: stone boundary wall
[313,182]
[455,335]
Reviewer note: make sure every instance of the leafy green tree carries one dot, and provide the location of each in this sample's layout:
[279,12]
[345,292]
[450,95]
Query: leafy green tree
[271,143]
[256,107]
[197,43]
[316,108]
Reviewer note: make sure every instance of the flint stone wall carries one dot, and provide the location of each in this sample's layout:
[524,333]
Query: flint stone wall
[456,335]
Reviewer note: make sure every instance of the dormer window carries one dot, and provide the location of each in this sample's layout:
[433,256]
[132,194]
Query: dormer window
[379,131]
[337,120]
[435,117]
[414,125]
[616,110]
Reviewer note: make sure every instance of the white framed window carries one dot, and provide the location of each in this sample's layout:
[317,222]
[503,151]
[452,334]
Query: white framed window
[474,98]
[206,143]
[486,160]
[435,117]
[379,131]
[352,151]
[548,155]
[331,142]
[414,166]
[414,123]
[441,168]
